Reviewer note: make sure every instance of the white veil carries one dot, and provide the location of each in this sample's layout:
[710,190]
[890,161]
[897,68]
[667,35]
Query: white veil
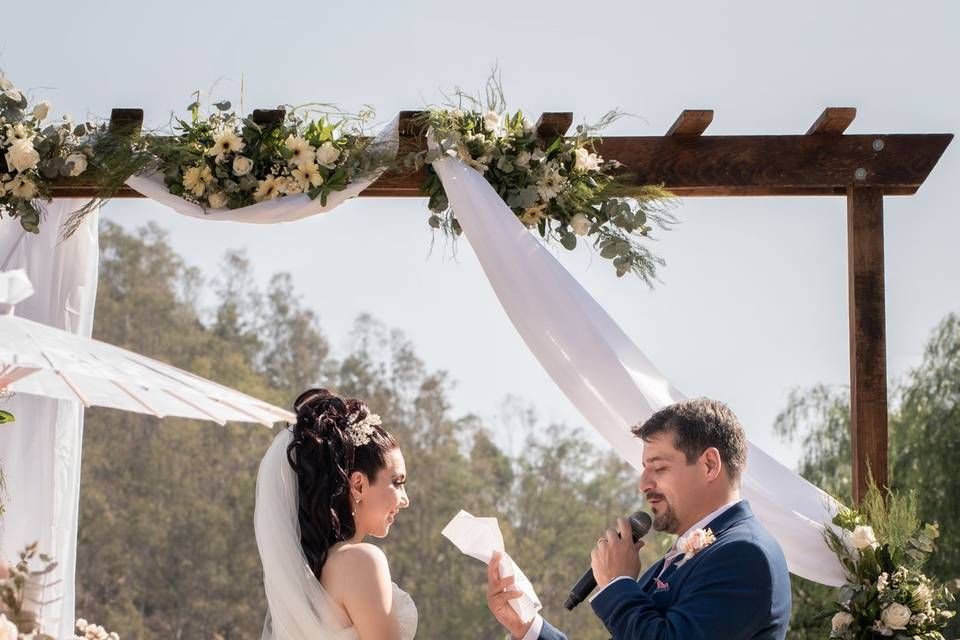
[299,608]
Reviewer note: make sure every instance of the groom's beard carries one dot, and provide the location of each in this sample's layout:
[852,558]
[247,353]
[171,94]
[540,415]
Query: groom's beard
[666,520]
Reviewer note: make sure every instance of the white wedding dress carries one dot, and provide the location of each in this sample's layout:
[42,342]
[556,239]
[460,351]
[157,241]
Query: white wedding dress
[403,605]
[299,607]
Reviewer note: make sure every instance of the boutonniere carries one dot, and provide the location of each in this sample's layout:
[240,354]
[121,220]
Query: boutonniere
[693,543]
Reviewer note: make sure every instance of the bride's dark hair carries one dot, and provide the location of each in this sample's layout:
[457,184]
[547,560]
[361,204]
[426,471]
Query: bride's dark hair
[323,454]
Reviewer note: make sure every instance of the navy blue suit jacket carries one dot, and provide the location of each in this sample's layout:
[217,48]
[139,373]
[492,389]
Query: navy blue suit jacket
[738,588]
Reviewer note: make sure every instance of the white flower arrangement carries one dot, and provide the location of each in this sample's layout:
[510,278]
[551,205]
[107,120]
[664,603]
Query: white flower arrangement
[227,161]
[32,152]
[883,547]
[561,186]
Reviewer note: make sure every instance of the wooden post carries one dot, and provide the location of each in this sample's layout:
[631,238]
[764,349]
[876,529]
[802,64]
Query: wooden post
[868,367]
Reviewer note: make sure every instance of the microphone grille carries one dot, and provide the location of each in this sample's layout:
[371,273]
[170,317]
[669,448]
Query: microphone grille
[640,523]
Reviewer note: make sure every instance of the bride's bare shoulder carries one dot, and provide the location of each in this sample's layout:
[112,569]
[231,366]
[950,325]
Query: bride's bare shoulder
[359,564]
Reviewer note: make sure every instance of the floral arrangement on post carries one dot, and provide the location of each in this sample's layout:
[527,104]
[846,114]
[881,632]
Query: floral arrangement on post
[32,153]
[883,548]
[19,589]
[224,160]
[560,187]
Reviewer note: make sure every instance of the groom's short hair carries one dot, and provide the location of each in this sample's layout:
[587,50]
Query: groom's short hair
[697,425]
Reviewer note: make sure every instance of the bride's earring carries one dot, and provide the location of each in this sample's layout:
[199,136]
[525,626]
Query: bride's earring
[356,503]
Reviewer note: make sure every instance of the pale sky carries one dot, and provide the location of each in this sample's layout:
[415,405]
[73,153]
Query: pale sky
[753,300]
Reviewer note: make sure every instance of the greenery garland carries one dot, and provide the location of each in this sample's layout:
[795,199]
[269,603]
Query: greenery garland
[226,160]
[560,187]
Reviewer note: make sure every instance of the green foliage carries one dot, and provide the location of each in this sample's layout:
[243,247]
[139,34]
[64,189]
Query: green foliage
[166,538]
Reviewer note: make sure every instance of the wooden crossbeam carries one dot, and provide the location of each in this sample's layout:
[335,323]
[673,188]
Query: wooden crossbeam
[833,120]
[126,121]
[691,122]
[553,124]
[696,165]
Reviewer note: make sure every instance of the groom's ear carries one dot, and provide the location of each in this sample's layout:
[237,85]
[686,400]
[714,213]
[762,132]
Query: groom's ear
[710,458]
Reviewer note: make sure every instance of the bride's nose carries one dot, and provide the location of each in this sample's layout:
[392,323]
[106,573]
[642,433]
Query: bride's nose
[404,499]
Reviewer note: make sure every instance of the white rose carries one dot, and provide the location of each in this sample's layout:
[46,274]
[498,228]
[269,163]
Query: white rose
[491,121]
[841,621]
[8,630]
[42,110]
[79,162]
[242,165]
[218,200]
[327,155]
[22,156]
[863,537]
[13,94]
[5,84]
[895,616]
[581,224]
[587,161]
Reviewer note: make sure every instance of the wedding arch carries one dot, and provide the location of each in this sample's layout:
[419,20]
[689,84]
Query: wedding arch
[595,364]
[862,168]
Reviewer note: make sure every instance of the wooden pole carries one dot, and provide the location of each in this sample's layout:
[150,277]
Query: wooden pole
[868,366]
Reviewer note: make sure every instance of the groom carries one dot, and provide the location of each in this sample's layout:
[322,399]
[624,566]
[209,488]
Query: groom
[725,578]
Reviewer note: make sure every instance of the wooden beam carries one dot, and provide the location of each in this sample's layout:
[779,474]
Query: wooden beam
[868,368]
[691,122]
[693,165]
[126,121]
[553,124]
[269,118]
[778,165]
[833,120]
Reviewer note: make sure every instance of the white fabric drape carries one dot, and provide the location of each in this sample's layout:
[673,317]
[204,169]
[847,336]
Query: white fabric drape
[286,209]
[40,452]
[605,375]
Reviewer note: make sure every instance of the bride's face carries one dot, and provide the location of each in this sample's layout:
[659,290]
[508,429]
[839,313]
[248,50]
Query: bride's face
[382,499]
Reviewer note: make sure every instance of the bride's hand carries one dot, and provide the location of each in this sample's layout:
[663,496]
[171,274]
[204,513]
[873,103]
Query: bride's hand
[499,594]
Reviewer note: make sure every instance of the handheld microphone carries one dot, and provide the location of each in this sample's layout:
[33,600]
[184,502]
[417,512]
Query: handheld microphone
[640,524]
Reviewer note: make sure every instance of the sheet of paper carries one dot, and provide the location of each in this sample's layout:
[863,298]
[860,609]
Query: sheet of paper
[479,538]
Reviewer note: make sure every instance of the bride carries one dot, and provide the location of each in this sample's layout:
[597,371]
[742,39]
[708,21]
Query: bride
[325,484]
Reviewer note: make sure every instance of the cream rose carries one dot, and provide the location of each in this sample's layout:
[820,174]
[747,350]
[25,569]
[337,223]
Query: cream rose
[5,85]
[581,224]
[218,200]
[841,620]
[242,165]
[492,121]
[863,537]
[42,110]
[327,155]
[896,616]
[78,162]
[22,156]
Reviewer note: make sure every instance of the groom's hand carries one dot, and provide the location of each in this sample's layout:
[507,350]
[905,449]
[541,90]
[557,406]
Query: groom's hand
[500,592]
[616,556]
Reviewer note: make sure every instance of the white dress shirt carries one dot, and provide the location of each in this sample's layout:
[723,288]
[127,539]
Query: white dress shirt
[534,632]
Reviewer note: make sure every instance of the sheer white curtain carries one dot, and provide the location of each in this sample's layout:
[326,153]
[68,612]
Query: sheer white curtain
[605,375]
[40,452]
